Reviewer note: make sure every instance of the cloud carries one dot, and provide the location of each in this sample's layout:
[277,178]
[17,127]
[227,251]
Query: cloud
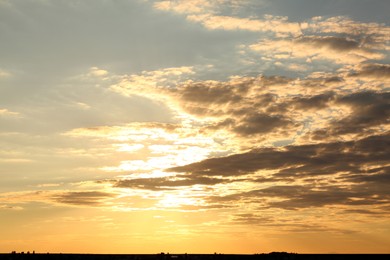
[315,44]
[297,161]
[270,105]
[95,71]
[211,15]
[368,110]
[211,92]
[198,6]
[304,196]
[364,211]
[315,102]
[58,196]
[10,207]
[374,34]
[336,43]
[7,113]
[259,123]
[82,198]
[147,148]
[306,225]
[208,13]
[348,174]
[134,131]
[5,74]
[276,24]
[259,107]
[341,50]
[372,71]
[147,82]
[238,105]
[269,109]
[184,7]
[166,183]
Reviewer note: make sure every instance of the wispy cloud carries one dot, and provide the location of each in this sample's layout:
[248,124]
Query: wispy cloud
[82,198]
[7,113]
[337,49]
[5,74]
[278,25]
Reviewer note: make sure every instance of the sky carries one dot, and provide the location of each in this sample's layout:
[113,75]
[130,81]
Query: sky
[195,126]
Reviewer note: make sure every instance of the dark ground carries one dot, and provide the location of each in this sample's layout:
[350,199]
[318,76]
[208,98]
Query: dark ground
[162,256]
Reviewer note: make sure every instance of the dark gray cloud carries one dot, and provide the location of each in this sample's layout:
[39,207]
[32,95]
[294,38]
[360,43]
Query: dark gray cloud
[237,91]
[336,43]
[315,159]
[352,180]
[253,219]
[375,175]
[348,163]
[364,211]
[237,105]
[313,102]
[254,106]
[258,123]
[368,109]
[211,98]
[82,198]
[165,183]
[378,71]
[259,219]
[307,196]
[295,196]
[203,92]
[254,123]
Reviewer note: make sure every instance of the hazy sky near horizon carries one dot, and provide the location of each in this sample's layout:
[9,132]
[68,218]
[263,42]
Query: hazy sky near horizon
[198,126]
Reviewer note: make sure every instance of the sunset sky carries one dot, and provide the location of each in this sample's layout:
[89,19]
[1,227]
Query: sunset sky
[198,126]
